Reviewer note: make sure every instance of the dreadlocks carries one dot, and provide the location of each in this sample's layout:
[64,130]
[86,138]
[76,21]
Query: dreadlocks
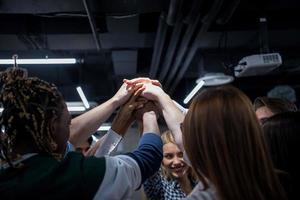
[28,105]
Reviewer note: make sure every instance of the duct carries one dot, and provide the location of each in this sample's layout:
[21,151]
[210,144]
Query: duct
[173,9]
[182,50]
[158,46]
[226,14]
[92,24]
[171,49]
[194,12]
[206,22]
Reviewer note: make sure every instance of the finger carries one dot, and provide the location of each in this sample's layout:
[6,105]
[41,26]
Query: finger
[137,80]
[156,82]
[142,100]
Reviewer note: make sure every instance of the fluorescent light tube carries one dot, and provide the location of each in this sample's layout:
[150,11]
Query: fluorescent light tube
[104,128]
[193,92]
[83,98]
[39,61]
[76,108]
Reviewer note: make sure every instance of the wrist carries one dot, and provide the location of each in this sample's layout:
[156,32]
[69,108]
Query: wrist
[115,102]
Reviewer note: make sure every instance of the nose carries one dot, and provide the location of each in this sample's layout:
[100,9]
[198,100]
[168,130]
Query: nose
[177,161]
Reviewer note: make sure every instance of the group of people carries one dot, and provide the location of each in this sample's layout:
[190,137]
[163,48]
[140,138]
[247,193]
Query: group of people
[217,150]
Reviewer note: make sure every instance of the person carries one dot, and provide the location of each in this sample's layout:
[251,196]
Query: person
[35,130]
[266,107]
[175,180]
[282,135]
[224,144]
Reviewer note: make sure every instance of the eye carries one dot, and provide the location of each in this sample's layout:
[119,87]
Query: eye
[168,156]
[180,154]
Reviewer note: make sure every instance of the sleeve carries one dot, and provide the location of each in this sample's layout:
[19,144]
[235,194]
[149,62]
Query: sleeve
[122,177]
[153,187]
[148,155]
[125,173]
[109,144]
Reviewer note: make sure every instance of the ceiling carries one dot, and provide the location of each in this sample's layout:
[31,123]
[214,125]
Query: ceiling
[175,41]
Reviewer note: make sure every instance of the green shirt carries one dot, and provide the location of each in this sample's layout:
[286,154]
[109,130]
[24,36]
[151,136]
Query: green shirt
[43,177]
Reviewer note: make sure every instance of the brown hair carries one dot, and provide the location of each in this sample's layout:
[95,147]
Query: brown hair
[28,106]
[224,142]
[276,105]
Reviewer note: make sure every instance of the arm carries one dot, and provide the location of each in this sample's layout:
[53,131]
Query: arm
[84,125]
[172,114]
[121,123]
[125,173]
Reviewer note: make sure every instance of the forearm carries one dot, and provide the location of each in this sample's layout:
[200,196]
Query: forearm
[84,125]
[173,117]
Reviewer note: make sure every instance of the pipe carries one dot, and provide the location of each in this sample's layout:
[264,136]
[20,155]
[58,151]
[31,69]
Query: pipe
[92,24]
[171,49]
[158,46]
[182,50]
[173,9]
[206,21]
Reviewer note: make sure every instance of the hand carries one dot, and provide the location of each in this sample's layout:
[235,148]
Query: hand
[152,92]
[149,106]
[125,92]
[92,150]
[142,80]
[125,116]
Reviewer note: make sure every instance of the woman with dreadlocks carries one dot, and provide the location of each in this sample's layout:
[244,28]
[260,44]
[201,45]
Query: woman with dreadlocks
[34,134]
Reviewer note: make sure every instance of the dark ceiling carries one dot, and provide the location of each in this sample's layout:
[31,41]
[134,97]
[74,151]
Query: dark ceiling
[174,41]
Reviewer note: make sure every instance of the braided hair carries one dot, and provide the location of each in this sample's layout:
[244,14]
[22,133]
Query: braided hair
[29,104]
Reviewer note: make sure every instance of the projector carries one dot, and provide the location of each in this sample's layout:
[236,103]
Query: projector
[257,64]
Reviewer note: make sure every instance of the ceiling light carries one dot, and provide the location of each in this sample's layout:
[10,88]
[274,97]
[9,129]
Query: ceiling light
[38,61]
[215,79]
[210,79]
[193,92]
[83,98]
[104,128]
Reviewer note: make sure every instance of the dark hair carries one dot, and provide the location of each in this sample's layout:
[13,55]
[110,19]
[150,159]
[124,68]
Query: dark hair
[224,141]
[28,105]
[282,133]
[276,105]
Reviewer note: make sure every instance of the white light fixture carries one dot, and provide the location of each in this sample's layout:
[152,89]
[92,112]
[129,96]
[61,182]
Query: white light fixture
[210,79]
[83,98]
[42,61]
[215,79]
[76,108]
[104,128]
[193,92]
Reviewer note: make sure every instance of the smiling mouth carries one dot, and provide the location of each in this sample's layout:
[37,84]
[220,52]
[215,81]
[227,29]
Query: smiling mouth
[178,169]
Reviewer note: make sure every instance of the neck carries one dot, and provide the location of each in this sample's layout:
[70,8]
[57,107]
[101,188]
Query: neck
[185,184]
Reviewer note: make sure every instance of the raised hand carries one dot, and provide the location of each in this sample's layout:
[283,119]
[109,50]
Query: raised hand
[125,92]
[125,116]
[142,80]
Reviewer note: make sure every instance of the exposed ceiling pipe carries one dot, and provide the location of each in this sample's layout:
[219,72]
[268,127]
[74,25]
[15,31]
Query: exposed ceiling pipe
[194,11]
[158,46]
[182,50]
[171,49]
[226,13]
[206,22]
[92,24]
[172,12]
